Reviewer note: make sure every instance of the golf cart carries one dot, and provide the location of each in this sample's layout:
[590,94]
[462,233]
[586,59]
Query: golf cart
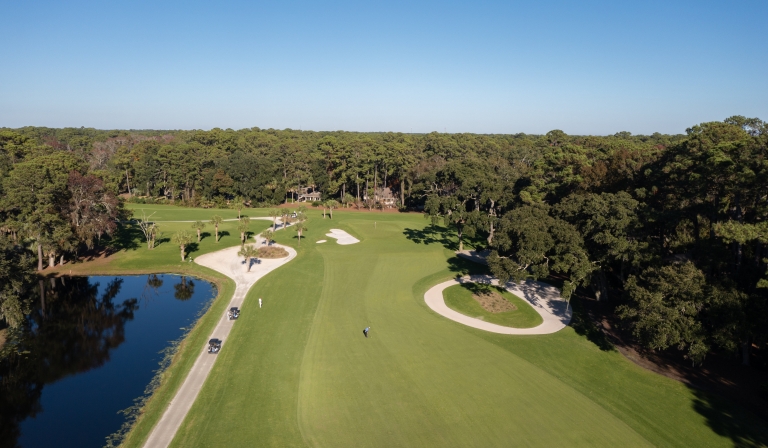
[214,345]
[233,313]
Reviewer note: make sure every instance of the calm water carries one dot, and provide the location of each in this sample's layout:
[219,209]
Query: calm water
[92,345]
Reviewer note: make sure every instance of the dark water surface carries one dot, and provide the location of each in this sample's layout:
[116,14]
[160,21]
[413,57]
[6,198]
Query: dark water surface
[88,349]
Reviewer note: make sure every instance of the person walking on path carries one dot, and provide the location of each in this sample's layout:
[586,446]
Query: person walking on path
[365,332]
[259,302]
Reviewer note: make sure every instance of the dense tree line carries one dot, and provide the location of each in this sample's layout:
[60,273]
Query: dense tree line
[671,228]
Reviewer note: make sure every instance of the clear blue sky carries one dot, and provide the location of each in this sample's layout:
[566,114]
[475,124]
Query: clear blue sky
[586,67]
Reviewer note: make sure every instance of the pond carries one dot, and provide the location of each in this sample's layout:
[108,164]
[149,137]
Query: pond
[88,349]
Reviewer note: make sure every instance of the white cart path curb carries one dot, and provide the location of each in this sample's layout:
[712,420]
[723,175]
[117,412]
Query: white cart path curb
[544,298]
[230,264]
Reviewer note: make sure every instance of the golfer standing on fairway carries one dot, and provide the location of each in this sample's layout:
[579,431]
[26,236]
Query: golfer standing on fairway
[365,332]
[259,302]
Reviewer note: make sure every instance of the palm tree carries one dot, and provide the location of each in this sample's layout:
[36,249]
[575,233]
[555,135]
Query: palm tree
[239,203]
[242,227]
[324,204]
[215,221]
[300,228]
[248,252]
[331,205]
[274,213]
[199,225]
[153,230]
[267,235]
[182,239]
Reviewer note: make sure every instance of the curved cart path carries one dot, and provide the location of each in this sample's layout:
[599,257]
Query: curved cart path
[545,299]
[230,264]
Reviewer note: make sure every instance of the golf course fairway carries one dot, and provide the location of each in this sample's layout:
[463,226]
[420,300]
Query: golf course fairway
[299,371]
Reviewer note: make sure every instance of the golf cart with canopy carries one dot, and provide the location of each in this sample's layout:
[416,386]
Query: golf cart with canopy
[214,345]
[233,313]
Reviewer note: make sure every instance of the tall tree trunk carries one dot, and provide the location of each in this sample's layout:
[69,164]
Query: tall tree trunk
[402,190]
[198,235]
[357,182]
[182,253]
[461,241]
[127,182]
[42,297]
[51,260]
[61,261]
[39,257]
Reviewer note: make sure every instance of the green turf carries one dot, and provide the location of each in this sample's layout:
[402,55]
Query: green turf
[459,298]
[299,372]
[160,212]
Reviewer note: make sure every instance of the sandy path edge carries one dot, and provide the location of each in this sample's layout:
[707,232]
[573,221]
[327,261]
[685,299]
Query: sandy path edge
[545,299]
[230,264]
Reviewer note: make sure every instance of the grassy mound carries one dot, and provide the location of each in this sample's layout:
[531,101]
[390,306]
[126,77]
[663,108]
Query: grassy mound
[466,299]
[272,252]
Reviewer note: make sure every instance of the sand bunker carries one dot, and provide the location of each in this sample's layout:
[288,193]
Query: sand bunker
[342,237]
[321,241]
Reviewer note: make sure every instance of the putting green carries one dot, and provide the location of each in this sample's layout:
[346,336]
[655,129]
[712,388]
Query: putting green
[459,298]
[300,373]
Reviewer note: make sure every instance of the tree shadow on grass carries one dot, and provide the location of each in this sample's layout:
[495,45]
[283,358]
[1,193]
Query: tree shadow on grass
[128,236]
[585,326]
[431,235]
[462,267]
[728,420]
[162,240]
[191,248]
[205,235]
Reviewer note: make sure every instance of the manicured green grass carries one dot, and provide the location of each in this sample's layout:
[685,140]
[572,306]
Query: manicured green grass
[173,213]
[459,298]
[299,372]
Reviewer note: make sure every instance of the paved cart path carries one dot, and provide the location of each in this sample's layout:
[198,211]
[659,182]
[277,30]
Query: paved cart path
[544,298]
[230,264]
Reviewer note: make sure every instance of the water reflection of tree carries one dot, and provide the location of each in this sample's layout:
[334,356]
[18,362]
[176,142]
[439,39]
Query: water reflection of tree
[184,290]
[71,330]
[152,287]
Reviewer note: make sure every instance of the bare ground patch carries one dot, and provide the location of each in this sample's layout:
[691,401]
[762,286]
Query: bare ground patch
[493,302]
[272,252]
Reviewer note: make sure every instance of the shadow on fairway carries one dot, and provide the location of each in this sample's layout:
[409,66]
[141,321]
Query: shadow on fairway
[583,325]
[724,418]
[127,237]
[430,235]
[205,235]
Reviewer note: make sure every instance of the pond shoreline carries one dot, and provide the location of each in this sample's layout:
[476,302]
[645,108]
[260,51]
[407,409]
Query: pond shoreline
[182,361]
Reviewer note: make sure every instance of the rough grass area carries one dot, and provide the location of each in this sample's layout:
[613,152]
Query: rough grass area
[461,298]
[493,302]
[300,373]
[272,252]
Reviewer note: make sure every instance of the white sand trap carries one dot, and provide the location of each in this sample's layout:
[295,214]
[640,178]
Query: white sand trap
[321,241]
[342,237]
[545,300]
